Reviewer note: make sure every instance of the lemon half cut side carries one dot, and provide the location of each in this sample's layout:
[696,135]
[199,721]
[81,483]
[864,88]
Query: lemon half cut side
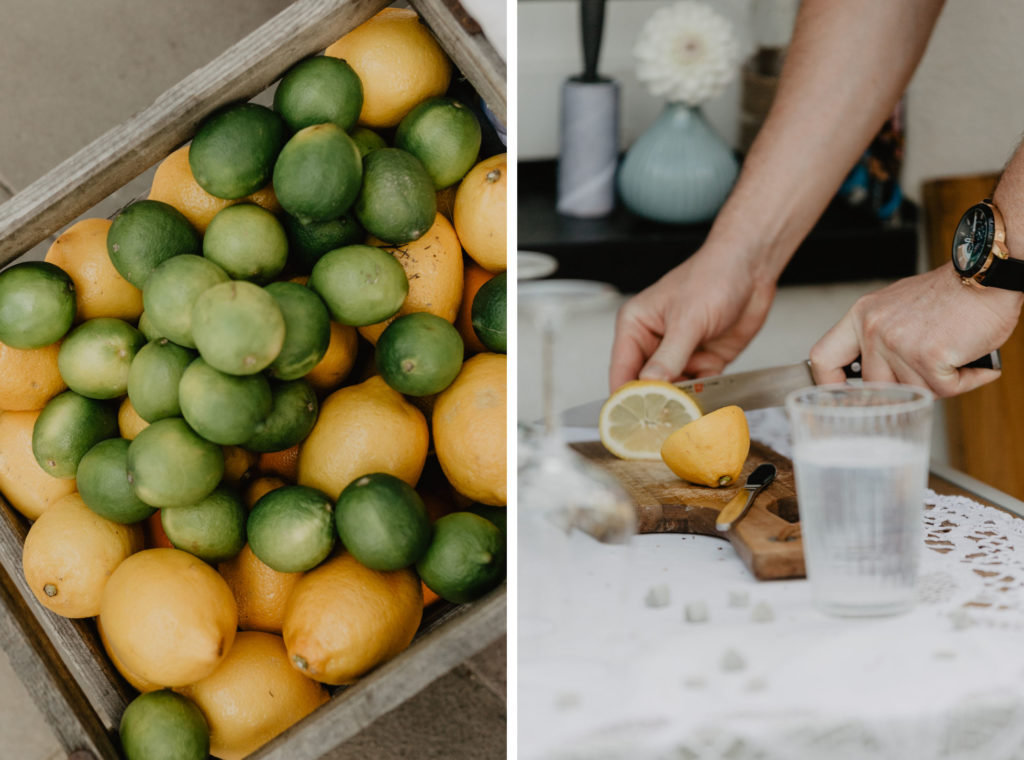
[639,416]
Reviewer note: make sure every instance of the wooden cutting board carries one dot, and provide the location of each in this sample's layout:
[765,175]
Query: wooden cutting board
[666,504]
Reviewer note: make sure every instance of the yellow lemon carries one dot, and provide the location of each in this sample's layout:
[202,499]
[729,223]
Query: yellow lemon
[100,290]
[27,487]
[168,616]
[469,423]
[260,591]
[640,415]
[335,365]
[253,695]
[344,619]
[399,63]
[69,554]
[479,213]
[29,377]
[711,450]
[174,184]
[129,422]
[362,429]
[134,679]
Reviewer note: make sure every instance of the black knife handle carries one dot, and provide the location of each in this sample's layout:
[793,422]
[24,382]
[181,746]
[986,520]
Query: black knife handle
[592,25]
[988,361]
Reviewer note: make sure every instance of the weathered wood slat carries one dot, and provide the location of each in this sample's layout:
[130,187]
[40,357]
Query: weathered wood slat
[75,641]
[66,708]
[130,148]
[472,628]
[472,53]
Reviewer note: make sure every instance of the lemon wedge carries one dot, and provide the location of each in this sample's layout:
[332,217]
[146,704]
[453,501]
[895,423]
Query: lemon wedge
[639,416]
[710,451]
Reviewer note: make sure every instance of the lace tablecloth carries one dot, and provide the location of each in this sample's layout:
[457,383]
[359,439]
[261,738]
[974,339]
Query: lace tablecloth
[711,663]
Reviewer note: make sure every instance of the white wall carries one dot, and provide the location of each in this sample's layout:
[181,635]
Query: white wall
[965,105]
[550,51]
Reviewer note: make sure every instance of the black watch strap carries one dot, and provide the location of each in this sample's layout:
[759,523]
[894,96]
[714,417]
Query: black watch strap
[1007,274]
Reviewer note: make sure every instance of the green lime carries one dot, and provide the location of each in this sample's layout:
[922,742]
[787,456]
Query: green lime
[145,235]
[292,416]
[154,376]
[163,725]
[307,330]
[308,241]
[488,313]
[103,483]
[382,521]
[68,426]
[233,152]
[212,529]
[291,529]
[37,304]
[171,466]
[220,407]
[444,135]
[248,242]
[366,140]
[360,284]
[95,357]
[238,327]
[147,328]
[171,292]
[397,202]
[419,354]
[317,175]
[466,557]
[497,515]
[319,90]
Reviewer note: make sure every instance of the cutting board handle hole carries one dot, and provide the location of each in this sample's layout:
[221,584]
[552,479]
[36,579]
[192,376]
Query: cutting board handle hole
[786,508]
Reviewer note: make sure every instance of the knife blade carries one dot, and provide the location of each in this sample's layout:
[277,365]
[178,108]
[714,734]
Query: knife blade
[755,389]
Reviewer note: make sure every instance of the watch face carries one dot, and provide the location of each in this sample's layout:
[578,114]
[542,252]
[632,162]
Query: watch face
[973,239]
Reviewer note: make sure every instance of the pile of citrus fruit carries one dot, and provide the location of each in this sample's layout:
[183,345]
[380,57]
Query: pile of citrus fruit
[258,419]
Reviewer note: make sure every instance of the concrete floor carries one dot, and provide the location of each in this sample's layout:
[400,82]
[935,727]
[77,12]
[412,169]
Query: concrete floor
[69,71]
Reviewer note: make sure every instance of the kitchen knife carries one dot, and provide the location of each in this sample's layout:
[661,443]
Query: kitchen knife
[757,389]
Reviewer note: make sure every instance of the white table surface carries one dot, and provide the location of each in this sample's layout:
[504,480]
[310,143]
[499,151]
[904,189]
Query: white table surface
[629,678]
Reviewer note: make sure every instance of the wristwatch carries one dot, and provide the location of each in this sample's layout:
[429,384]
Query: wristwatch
[980,255]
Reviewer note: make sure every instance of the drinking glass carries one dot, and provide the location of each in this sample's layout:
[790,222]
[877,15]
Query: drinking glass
[860,455]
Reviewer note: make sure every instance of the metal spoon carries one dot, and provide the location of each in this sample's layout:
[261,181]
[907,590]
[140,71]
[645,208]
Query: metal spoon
[737,507]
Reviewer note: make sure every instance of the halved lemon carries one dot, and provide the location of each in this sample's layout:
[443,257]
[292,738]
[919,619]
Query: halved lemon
[639,416]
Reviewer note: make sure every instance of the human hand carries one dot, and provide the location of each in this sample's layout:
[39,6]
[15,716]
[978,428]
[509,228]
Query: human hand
[692,322]
[920,331]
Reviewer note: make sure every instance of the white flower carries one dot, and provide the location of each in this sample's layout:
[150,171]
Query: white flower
[687,53]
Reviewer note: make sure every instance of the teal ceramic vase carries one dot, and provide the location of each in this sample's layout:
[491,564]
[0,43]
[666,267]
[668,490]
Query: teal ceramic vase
[679,171]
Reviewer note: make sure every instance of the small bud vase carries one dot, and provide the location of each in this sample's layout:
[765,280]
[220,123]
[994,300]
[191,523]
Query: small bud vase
[679,171]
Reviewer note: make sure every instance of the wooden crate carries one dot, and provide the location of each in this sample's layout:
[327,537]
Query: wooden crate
[62,661]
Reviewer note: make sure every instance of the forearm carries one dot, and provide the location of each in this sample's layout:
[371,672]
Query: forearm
[1009,198]
[847,65]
